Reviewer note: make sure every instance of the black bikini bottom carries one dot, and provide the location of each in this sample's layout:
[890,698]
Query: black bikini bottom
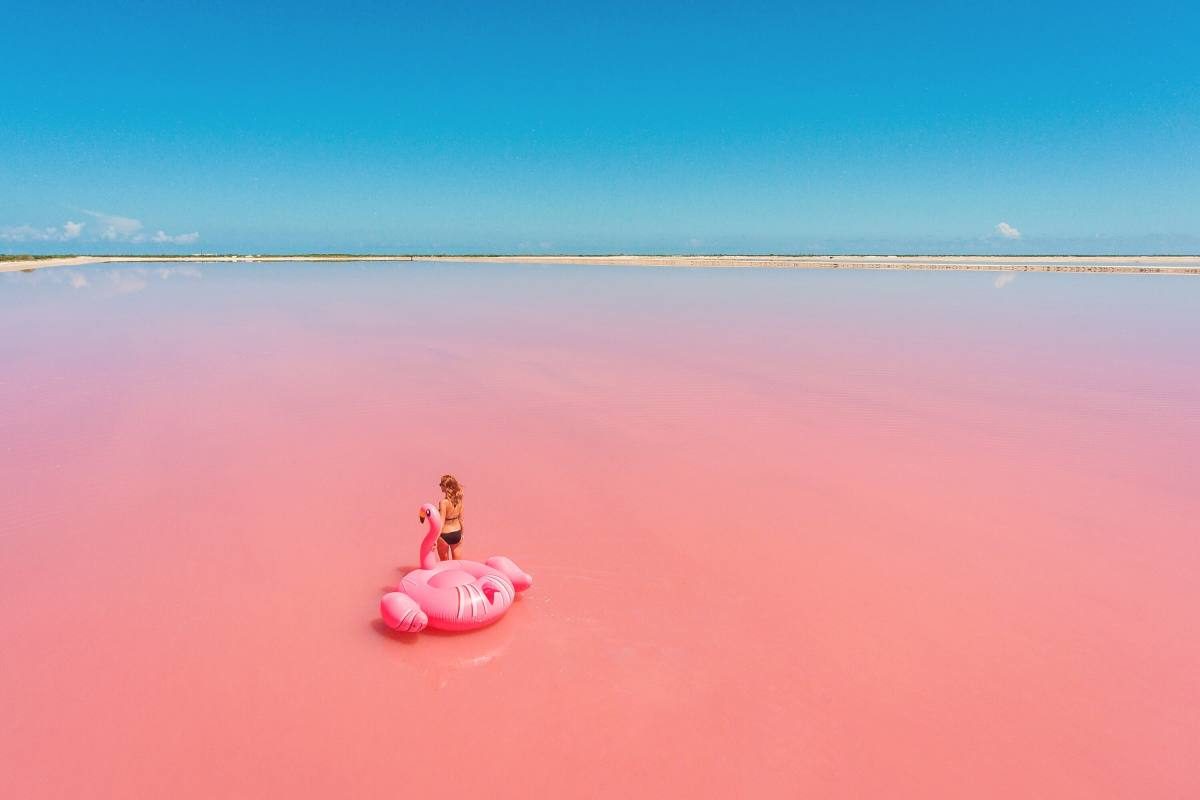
[453,537]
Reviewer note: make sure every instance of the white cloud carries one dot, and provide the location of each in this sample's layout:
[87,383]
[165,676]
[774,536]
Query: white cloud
[1008,231]
[115,228]
[108,227]
[180,238]
[23,233]
[28,233]
[1004,279]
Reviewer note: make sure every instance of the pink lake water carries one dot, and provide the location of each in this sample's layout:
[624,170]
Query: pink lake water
[794,533]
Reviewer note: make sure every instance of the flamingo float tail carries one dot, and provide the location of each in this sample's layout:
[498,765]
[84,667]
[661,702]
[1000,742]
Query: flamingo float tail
[521,580]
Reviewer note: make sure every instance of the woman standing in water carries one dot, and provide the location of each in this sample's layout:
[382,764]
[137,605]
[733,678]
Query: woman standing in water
[450,508]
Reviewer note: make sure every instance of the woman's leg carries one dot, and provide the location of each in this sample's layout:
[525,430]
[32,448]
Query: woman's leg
[456,551]
[443,549]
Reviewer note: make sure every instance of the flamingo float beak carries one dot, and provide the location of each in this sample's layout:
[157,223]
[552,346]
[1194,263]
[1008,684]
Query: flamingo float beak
[421,515]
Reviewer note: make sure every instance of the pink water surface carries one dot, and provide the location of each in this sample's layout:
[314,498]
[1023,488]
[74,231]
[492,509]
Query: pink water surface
[842,535]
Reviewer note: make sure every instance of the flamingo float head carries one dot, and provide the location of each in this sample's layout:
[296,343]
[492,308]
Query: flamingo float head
[428,514]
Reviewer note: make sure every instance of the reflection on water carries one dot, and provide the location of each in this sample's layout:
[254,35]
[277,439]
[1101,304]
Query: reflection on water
[118,280]
[834,533]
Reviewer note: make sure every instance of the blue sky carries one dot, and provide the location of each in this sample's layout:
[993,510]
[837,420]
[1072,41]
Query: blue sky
[608,127]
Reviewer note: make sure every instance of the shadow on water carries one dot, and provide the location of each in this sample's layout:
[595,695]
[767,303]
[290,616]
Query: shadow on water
[380,627]
[455,650]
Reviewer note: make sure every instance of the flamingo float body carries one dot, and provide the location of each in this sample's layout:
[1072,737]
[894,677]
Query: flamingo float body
[451,595]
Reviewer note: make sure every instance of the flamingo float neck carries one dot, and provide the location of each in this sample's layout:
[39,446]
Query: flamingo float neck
[429,557]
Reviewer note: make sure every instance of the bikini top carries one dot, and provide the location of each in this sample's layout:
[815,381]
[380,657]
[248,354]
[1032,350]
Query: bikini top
[455,517]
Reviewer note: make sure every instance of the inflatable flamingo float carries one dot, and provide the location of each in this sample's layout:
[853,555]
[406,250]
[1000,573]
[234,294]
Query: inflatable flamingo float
[451,595]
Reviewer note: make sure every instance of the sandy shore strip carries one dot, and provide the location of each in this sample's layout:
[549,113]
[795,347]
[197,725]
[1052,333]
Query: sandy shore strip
[1126,265]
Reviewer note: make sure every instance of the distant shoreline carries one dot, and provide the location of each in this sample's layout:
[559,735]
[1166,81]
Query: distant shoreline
[1121,265]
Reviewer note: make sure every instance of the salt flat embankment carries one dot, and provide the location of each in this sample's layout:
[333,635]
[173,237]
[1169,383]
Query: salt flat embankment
[1160,265]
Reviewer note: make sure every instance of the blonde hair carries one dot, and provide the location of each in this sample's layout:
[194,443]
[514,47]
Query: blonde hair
[451,488]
